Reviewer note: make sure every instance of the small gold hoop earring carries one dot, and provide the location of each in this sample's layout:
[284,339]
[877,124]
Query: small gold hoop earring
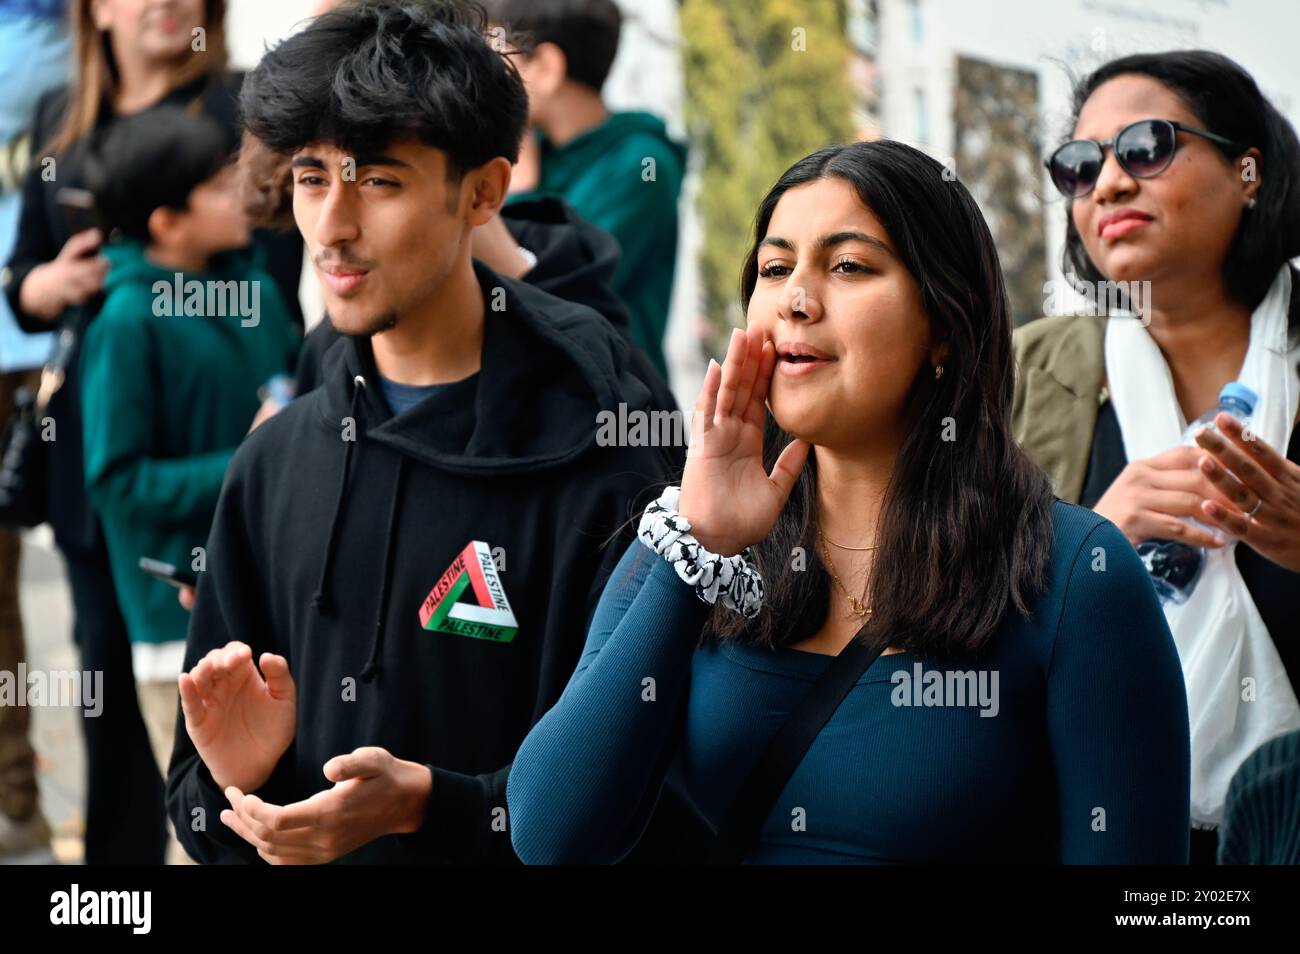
[938,371]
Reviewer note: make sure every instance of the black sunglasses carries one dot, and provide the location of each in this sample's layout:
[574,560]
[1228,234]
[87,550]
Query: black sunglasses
[1144,149]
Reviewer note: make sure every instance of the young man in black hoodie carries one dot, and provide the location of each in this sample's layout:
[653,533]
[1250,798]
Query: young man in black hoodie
[412,551]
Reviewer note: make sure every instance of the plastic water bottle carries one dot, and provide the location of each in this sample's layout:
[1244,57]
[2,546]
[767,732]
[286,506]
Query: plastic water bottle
[1175,567]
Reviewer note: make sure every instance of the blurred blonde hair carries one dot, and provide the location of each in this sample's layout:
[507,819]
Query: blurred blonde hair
[95,72]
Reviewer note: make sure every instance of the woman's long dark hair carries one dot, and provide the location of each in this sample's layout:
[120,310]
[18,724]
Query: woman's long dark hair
[1225,100]
[966,528]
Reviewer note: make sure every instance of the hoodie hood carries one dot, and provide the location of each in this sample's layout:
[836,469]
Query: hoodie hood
[618,129]
[549,366]
[576,260]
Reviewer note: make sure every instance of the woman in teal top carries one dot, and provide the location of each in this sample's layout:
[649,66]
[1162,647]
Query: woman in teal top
[1028,705]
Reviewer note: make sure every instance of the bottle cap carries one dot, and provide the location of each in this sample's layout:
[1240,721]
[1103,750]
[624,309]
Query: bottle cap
[1239,392]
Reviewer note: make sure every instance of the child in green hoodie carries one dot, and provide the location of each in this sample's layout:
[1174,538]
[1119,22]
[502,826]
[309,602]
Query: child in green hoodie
[620,171]
[190,328]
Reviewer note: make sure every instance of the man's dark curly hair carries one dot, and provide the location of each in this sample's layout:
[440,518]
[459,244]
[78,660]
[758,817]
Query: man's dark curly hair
[373,72]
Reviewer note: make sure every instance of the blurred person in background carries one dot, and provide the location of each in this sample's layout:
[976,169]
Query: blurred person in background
[130,57]
[33,59]
[619,170]
[1261,817]
[1182,174]
[191,328]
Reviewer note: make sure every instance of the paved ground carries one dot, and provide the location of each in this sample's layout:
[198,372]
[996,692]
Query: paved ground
[56,732]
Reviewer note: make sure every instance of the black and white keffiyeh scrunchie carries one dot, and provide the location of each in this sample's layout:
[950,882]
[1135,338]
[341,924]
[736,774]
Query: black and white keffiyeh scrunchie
[732,579]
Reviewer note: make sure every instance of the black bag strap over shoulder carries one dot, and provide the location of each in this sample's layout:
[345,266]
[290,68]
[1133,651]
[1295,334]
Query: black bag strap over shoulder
[753,803]
[24,456]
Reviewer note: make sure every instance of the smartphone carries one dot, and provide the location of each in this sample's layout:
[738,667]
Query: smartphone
[78,206]
[168,573]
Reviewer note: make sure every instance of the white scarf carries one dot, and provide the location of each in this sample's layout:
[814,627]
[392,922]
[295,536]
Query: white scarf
[1238,695]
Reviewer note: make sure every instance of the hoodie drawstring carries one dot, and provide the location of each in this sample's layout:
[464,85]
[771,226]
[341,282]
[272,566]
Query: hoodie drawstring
[371,668]
[321,599]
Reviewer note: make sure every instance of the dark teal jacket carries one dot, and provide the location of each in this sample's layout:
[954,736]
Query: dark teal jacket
[625,175]
[166,397]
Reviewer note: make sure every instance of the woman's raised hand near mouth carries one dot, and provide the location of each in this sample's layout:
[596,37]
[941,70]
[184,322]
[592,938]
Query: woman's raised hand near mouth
[729,499]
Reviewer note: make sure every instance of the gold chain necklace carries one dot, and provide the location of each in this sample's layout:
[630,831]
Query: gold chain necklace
[857,608]
[840,546]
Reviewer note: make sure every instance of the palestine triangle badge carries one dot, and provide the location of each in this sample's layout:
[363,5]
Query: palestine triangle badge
[488,617]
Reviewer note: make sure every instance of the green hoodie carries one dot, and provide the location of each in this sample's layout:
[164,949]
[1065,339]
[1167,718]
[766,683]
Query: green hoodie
[167,395]
[604,175]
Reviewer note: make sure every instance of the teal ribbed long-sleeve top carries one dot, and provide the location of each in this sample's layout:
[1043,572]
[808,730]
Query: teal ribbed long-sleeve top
[1066,741]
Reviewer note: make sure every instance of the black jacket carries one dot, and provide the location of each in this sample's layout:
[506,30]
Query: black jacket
[325,549]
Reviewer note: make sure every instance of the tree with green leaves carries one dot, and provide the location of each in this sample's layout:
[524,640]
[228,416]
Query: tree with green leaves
[767,84]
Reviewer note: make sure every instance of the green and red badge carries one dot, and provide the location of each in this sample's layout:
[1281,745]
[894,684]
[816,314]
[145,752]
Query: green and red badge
[491,618]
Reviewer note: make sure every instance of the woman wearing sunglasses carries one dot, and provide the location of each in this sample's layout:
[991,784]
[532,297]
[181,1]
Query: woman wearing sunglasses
[1182,175]
[853,487]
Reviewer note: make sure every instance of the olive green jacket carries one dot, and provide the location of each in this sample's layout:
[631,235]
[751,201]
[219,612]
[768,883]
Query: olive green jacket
[1060,383]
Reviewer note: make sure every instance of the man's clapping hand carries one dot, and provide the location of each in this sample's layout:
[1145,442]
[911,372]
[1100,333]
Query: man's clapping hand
[240,722]
[374,794]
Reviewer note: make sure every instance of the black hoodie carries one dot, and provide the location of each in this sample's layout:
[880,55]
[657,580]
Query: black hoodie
[325,550]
